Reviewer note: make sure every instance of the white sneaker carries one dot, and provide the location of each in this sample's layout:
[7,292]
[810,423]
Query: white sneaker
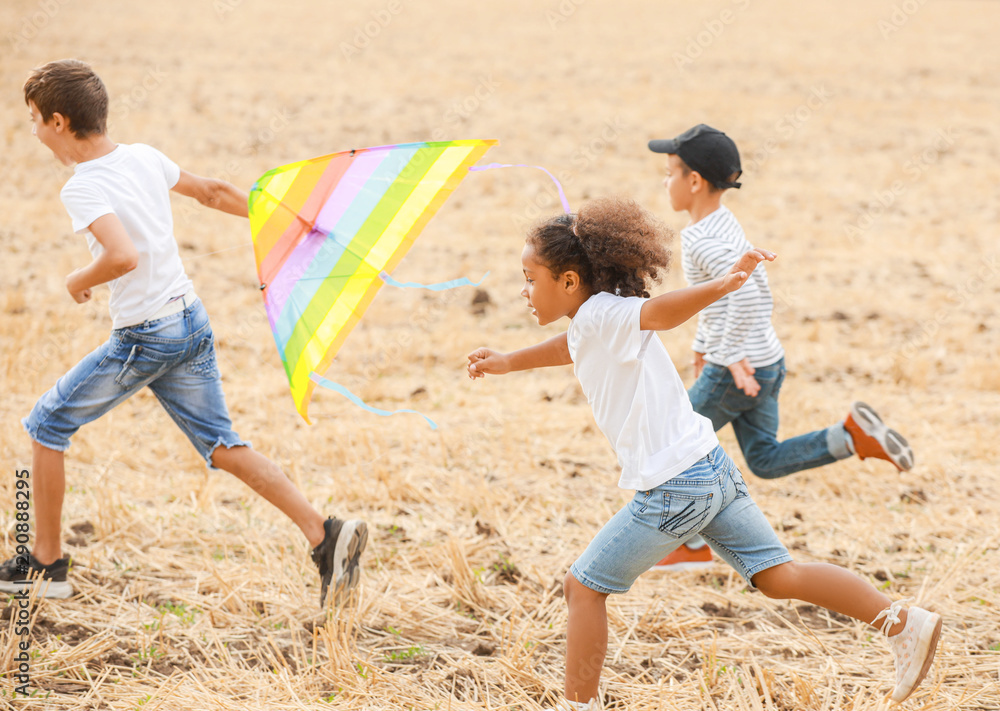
[913,648]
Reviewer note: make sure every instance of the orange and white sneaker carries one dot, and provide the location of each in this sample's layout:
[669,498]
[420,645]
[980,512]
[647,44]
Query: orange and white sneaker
[686,558]
[913,648]
[873,439]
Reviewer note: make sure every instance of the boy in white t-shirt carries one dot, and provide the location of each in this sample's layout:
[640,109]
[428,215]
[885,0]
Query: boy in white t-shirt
[594,268]
[119,198]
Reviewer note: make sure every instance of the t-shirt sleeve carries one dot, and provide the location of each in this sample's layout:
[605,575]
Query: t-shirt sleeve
[617,326]
[171,171]
[84,203]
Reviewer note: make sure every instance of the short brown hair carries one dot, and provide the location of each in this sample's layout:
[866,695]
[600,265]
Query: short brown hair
[71,88]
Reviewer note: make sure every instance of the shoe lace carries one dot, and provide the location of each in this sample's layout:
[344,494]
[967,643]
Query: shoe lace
[891,615]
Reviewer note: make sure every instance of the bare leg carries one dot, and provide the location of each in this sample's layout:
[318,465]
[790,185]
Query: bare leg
[48,486]
[264,477]
[828,586]
[586,639]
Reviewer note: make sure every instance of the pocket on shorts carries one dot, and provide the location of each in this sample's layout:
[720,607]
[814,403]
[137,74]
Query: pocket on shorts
[142,365]
[683,513]
[203,363]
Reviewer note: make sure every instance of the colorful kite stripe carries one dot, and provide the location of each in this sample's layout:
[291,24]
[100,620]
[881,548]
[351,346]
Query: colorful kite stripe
[324,229]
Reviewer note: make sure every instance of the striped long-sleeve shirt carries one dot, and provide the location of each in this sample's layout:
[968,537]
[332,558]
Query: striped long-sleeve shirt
[738,325]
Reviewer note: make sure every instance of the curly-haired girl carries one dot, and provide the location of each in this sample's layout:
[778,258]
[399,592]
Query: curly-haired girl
[594,267]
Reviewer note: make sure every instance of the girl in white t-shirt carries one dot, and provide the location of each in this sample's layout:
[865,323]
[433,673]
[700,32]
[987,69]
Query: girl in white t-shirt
[595,268]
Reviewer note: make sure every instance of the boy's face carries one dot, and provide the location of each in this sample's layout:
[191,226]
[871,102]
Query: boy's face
[679,186]
[51,134]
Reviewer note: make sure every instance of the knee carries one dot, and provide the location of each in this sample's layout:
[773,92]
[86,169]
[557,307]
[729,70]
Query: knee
[775,582]
[570,584]
[576,592]
[760,461]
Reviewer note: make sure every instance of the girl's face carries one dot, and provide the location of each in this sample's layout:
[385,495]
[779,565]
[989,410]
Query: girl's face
[678,184]
[549,298]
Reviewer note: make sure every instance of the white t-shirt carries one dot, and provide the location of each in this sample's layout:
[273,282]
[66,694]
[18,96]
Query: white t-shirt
[638,398]
[133,182]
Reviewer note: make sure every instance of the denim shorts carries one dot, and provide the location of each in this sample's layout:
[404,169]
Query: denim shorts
[174,356]
[709,499]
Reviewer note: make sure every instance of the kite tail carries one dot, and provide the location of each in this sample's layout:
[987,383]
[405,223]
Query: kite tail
[559,187]
[440,286]
[330,385]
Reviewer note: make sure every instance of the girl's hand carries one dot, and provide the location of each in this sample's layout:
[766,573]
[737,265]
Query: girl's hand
[744,267]
[483,361]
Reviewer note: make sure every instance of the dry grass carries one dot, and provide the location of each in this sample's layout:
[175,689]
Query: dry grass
[194,594]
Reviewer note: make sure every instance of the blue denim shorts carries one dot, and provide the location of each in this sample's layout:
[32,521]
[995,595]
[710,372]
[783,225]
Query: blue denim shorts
[174,356]
[709,499]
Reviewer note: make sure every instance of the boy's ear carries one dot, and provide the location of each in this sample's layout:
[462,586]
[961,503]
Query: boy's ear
[59,122]
[697,181]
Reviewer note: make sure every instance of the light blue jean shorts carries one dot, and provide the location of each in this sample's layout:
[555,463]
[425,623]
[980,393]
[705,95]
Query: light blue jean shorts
[174,356]
[709,499]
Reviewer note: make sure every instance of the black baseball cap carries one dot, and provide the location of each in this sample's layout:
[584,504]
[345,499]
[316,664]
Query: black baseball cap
[706,150]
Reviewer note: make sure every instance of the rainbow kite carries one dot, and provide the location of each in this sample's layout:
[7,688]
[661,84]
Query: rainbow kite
[326,233]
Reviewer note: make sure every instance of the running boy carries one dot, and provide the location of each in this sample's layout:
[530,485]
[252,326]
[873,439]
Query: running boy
[595,267]
[738,360]
[119,198]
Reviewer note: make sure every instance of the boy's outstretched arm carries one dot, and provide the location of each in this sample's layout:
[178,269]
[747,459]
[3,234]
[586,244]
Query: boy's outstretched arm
[212,192]
[118,258]
[670,310]
[554,351]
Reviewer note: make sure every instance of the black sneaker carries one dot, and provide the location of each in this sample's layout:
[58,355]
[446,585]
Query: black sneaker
[338,555]
[51,578]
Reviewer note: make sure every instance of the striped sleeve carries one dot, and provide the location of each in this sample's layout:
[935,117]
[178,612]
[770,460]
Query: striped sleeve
[737,326]
[740,308]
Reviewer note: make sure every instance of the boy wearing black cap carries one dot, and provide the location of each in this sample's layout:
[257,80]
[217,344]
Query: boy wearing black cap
[738,359]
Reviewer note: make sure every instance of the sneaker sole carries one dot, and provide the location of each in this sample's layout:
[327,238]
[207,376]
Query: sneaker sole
[928,641]
[688,565]
[51,589]
[894,444]
[351,543]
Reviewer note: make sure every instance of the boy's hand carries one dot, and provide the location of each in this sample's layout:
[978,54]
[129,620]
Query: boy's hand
[699,364]
[483,361]
[744,267]
[81,296]
[743,377]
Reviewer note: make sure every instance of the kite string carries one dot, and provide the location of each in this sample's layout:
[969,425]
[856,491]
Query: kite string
[220,251]
[559,187]
[338,388]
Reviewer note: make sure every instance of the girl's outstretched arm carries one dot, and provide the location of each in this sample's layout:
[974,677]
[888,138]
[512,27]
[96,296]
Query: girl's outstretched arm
[670,310]
[554,351]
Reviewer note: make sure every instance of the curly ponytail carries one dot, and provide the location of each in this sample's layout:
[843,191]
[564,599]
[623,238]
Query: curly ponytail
[613,244]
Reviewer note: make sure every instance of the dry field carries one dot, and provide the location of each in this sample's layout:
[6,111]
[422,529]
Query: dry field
[871,141]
